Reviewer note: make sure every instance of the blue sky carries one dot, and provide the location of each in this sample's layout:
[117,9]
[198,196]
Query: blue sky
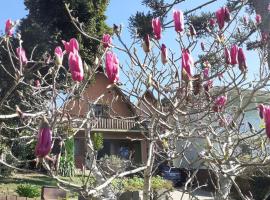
[118,12]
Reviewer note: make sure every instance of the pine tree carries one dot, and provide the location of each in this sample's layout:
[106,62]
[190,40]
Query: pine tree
[48,23]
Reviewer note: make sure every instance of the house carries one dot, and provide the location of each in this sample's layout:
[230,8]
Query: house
[114,117]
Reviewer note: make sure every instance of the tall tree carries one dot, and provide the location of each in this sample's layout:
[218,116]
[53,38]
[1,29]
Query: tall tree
[48,23]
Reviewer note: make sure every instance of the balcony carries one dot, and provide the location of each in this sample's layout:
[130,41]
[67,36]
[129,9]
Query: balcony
[114,124]
[111,124]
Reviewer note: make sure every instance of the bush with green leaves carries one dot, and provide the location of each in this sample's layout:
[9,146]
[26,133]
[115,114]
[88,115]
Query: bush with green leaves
[113,164]
[27,190]
[136,183]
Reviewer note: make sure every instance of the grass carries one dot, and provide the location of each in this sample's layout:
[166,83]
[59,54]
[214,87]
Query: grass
[8,185]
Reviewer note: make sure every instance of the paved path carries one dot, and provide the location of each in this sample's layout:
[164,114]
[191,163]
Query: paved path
[198,195]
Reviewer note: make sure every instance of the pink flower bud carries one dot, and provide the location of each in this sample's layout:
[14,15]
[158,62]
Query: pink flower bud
[106,40]
[219,103]
[222,15]
[208,85]
[112,67]
[37,83]
[192,30]
[258,19]
[58,55]
[206,73]
[261,110]
[242,60]
[9,28]
[245,20]
[266,116]
[227,16]
[234,54]
[178,18]
[187,64]
[146,44]
[21,56]
[227,56]
[71,46]
[156,25]
[164,57]
[220,18]
[75,65]
[212,22]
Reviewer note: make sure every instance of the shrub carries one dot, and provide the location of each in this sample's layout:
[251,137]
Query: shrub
[113,164]
[136,183]
[27,190]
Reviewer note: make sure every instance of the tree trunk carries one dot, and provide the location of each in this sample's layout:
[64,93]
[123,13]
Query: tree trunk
[106,193]
[225,184]
[148,173]
[261,7]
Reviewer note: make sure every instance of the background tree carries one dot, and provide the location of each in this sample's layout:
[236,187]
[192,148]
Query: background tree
[48,23]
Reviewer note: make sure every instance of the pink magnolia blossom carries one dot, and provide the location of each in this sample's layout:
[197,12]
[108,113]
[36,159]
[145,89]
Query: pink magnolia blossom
[21,55]
[208,85]
[178,18]
[227,56]
[9,28]
[156,25]
[266,116]
[106,40]
[37,83]
[112,67]
[187,64]
[234,54]
[219,103]
[206,72]
[261,110]
[192,30]
[258,19]
[227,15]
[75,66]
[44,143]
[222,15]
[58,55]
[242,60]
[245,20]
[146,44]
[164,56]
[71,46]
[212,22]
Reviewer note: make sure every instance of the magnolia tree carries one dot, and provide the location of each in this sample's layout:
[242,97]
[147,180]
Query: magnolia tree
[200,92]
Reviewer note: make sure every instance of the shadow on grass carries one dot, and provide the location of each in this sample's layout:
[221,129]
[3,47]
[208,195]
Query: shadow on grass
[34,180]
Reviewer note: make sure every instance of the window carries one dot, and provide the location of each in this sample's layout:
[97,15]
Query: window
[100,110]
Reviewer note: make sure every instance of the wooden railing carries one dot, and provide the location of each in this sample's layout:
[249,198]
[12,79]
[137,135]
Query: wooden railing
[110,123]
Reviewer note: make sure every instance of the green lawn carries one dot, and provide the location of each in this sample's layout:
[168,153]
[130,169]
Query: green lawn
[8,185]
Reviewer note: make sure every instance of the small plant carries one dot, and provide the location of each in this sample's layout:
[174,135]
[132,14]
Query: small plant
[27,190]
[67,166]
[98,141]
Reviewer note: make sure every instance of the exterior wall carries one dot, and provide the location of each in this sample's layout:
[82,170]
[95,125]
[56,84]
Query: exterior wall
[130,138]
[97,88]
